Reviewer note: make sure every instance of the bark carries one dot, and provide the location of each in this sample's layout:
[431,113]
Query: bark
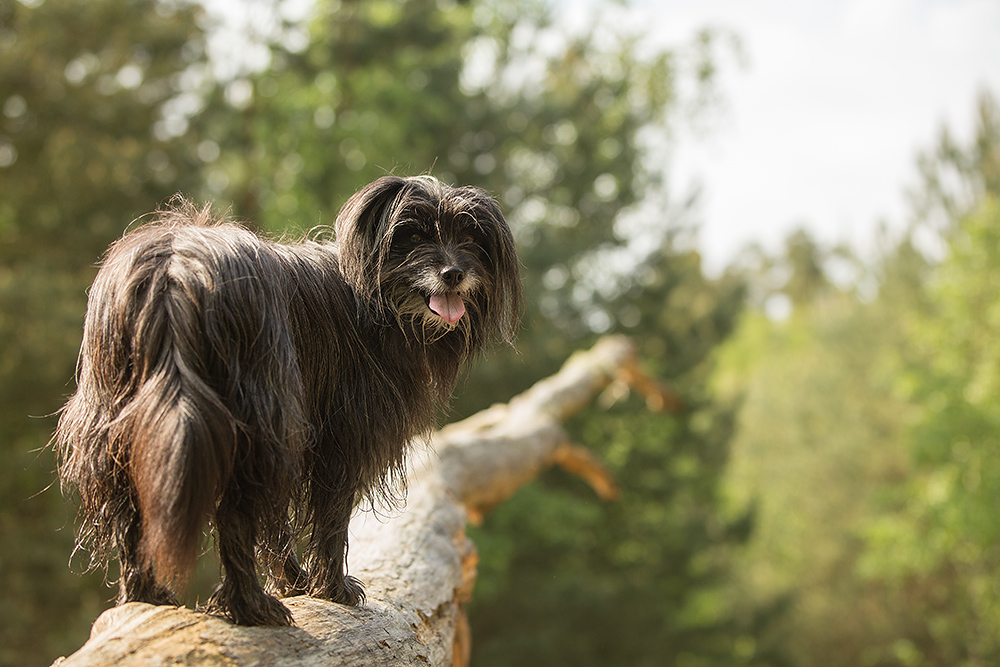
[418,566]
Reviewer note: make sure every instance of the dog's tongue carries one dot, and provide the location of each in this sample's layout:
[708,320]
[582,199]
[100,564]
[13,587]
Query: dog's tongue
[449,306]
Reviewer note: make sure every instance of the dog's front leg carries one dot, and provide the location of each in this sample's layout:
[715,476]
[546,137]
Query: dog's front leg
[331,509]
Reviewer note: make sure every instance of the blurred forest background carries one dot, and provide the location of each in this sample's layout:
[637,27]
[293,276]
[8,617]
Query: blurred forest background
[826,497]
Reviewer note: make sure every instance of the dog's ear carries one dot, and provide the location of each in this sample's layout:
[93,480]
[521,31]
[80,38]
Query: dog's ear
[361,228]
[507,295]
[508,285]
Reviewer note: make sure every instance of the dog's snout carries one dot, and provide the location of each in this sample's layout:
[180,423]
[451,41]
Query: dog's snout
[452,275]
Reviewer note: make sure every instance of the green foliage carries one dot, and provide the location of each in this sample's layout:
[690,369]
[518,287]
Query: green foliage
[934,544]
[955,178]
[819,435]
[636,574]
[941,540]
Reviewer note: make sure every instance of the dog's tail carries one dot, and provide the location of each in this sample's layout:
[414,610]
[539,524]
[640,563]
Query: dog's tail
[178,353]
[183,436]
[180,435]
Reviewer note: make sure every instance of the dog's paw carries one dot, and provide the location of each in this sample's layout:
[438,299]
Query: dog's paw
[354,592]
[289,581]
[347,591]
[270,612]
[138,586]
[259,609]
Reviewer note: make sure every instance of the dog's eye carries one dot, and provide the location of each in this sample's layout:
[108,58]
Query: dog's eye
[416,237]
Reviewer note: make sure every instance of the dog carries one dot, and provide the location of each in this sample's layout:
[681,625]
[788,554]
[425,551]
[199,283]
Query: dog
[262,388]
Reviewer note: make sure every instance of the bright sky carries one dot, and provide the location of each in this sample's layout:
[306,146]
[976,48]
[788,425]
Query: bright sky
[824,124]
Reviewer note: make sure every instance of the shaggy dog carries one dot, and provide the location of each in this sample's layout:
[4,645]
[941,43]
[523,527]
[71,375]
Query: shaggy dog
[263,388]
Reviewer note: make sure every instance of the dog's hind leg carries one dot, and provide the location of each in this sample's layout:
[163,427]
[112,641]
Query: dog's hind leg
[137,580]
[240,596]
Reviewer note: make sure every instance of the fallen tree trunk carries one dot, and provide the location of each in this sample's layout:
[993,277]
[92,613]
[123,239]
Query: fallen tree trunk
[418,566]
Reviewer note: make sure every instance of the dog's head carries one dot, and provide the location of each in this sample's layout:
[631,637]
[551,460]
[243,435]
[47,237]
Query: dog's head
[439,258]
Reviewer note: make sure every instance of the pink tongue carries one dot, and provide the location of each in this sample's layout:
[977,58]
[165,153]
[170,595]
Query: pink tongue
[449,306]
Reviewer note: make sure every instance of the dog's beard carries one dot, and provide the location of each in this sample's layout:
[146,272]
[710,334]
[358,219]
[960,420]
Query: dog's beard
[430,308]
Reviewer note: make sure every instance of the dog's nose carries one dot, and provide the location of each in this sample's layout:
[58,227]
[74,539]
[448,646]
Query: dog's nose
[452,276]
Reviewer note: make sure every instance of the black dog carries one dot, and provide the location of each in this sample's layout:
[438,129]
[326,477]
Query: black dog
[263,388]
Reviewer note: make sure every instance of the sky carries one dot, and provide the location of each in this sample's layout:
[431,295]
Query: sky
[822,125]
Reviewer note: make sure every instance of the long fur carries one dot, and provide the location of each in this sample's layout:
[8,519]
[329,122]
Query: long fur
[262,388]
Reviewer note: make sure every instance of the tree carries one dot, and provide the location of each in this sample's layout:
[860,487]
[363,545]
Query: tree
[819,435]
[933,546]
